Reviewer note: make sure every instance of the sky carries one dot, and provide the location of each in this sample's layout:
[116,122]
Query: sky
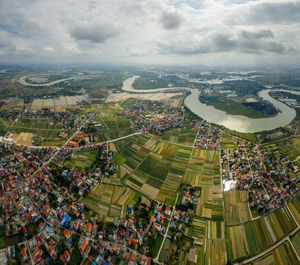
[191,32]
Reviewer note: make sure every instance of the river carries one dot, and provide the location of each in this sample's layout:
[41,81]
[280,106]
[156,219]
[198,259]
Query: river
[233,122]
[23,81]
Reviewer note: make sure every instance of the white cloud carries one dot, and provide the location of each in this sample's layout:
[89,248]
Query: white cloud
[71,47]
[149,30]
[49,49]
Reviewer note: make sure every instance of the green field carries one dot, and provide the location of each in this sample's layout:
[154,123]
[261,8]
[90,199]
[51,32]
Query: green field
[252,237]
[80,161]
[282,255]
[236,207]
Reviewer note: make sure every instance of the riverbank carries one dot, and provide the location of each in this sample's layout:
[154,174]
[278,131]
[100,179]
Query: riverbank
[239,123]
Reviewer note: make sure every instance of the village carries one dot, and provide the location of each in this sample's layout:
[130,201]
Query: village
[270,181]
[153,117]
[44,219]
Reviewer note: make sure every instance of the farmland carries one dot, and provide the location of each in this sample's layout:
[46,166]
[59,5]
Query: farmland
[252,237]
[282,255]
[110,201]
[80,161]
[185,135]
[108,125]
[210,234]
[154,168]
[228,141]
[203,171]
[236,207]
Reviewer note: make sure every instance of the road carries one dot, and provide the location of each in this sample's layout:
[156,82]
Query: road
[166,234]
[278,243]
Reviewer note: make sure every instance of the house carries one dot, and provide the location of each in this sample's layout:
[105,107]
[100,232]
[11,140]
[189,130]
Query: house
[83,246]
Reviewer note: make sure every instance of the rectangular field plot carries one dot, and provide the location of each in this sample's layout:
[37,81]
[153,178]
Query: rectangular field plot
[38,124]
[203,171]
[210,235]
[236,207]
[255,236]
[210,204]
[295,239]
[294,206]
[185,135]
[155,167]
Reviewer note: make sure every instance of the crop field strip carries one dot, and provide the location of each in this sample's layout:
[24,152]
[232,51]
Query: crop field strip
[210,235]
[112,126]
[110,200]
[251,238]
[203,171]
[281,255]
[236,207]
[155,168]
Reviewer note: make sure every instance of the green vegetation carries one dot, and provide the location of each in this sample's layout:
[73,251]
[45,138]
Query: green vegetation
[156,246]
[235,108]
[236,207]
[282,255]
[81,161]
[228,141]
[147,83]
[252,237]
[2,242]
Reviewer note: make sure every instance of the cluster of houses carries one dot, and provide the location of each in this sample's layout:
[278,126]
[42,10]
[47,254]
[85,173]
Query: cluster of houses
[270,181]
[208,136]
[153,116]
[36,210]
[69,119]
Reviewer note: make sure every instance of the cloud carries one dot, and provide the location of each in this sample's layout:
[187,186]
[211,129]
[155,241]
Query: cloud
[149,30]
[219,42]
[71,47]
[269,13]
[94,33]
[49,49]
[257,34]
[171,20]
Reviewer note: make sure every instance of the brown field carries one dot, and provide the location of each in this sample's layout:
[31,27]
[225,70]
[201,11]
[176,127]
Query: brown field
[149,191]
[151,96]
[23,138]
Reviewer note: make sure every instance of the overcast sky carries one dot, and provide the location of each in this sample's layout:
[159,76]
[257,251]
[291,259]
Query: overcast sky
[220,32]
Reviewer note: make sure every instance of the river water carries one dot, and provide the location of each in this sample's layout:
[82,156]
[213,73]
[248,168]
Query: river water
[233,122]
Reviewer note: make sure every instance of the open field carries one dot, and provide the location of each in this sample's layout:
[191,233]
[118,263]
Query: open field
[37,124]
[211,235]
[294,206]
[110,200]
[167,97]
[80,161]
[109,125]
[236,207]
[252,237]
[185,135]
[203,171]
[228,141]
[152,167]
[24,138]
